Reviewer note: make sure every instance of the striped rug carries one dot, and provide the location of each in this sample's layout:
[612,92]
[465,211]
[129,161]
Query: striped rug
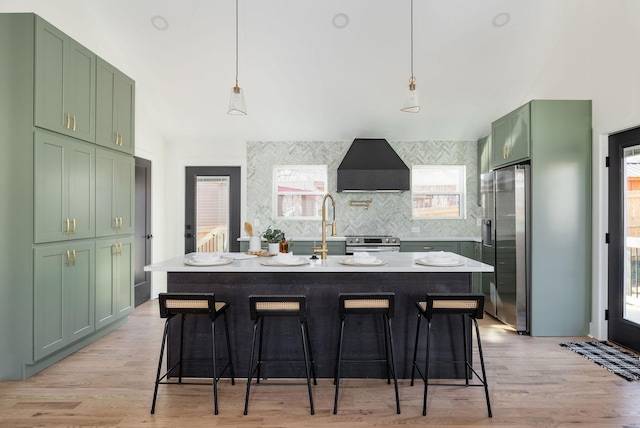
[616,360]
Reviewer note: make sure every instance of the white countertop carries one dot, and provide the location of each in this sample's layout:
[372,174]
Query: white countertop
[394,262]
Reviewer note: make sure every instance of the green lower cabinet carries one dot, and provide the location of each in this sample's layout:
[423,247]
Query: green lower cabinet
[473,250]
[303,248]
[63,295]
[421,246]
[114,279]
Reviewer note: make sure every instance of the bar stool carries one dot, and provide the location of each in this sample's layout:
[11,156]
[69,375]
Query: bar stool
[183,304]
[367,303]
[263,307]
[467,305]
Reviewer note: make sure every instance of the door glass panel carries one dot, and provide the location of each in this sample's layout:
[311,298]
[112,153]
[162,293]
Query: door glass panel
[212,213]
[631,307]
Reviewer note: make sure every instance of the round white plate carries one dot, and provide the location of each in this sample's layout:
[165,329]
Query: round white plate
[427,262]
[273,262]
[351,261]
[221,261]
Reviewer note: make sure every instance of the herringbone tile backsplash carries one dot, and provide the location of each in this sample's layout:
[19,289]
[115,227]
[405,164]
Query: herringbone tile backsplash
[390,213]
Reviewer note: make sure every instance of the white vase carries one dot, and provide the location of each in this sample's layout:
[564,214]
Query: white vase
[274,248]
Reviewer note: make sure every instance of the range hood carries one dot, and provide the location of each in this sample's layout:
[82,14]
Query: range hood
[371,165]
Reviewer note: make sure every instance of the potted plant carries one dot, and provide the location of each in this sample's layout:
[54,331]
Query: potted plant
[273,238]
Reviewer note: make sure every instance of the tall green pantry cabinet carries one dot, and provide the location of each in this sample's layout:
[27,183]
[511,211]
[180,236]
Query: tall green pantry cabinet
[67,279]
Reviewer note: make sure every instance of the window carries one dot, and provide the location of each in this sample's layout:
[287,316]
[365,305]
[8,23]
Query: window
[298,191]
[438,191]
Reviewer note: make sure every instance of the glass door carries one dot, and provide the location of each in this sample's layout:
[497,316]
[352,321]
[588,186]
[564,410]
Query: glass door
[624,239]
[212,211]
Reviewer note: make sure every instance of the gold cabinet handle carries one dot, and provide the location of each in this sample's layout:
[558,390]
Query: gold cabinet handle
[68,120]
[68,258]
[119,139]
[120,223]
[117,136]
[428,248]
[74,122]
[75,258]
[68,227]
[74,226]
[115,220]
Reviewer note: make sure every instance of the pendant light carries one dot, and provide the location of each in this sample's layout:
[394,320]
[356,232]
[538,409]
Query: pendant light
[411,102]
[236,102]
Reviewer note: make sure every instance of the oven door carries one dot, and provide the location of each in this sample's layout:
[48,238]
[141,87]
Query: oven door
[351,250]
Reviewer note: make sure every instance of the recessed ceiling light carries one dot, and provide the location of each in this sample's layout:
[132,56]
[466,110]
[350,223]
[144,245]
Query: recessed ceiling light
[159,22]
[501,19]
[340,20]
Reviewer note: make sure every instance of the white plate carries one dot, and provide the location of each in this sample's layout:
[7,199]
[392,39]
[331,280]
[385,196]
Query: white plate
[428,262]
[352,261]
[273,262]
[221,261]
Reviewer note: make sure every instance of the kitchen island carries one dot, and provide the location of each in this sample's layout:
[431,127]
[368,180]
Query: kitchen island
[320,281]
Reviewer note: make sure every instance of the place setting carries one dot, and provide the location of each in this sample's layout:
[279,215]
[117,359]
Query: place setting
[206,259]
[440,258]
[285,259]
[362,258]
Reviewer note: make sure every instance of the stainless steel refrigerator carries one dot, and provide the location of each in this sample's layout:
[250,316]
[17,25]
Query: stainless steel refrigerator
[505,236]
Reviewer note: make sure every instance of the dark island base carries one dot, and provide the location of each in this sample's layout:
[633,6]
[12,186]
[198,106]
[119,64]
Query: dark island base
[363,334]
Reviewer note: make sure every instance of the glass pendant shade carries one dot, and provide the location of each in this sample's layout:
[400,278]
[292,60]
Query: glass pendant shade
[236,102]
[411,101]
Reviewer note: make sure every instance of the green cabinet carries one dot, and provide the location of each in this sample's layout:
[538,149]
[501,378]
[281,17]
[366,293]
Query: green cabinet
[115,176]
[115,108]
[64,198]
[48,122]
[421,246]
[114,279]
[303,248]
[63,298]
[511,137]
[65,76]
[484,163]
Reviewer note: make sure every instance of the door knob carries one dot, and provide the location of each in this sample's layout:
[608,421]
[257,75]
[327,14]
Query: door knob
[149,236]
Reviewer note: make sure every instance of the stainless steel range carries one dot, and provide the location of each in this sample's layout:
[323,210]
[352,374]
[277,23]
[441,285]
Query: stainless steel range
[372,243]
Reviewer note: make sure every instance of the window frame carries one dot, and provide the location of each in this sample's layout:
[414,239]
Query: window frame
[461,193]
[275,192]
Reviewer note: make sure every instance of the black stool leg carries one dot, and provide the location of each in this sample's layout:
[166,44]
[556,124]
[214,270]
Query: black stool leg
[466,352]
[213,363]
[426,371]
[313,364]
[305,349]
[393,364]
[182,318]
[336,379]
[386,345]
[253,345]
[415,350]
[484,374]
[155,390]
[259,366]
[226,330]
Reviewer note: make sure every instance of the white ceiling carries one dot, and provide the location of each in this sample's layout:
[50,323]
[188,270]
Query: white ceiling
[305,79]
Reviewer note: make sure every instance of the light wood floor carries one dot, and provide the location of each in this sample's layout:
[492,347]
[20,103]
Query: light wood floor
[533,382]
